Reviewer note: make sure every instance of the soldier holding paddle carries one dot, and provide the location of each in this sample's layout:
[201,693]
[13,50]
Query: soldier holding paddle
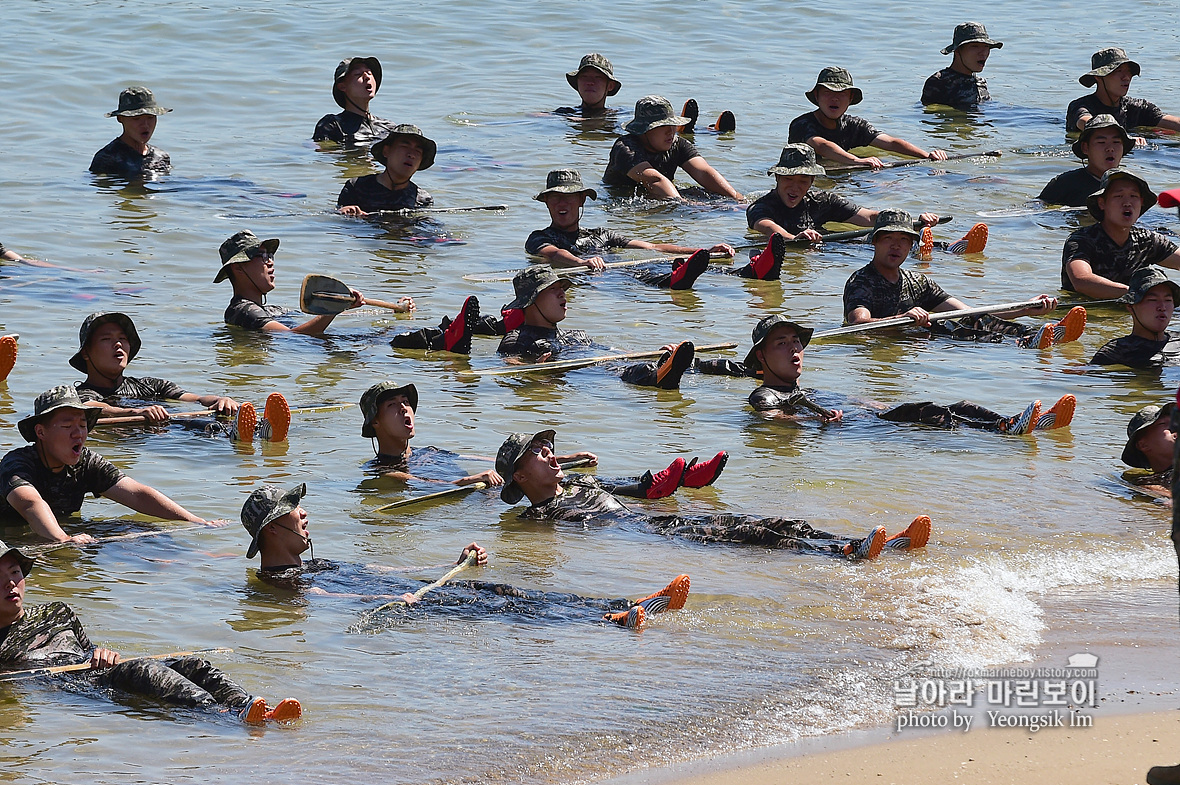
[883,290]
[404,152]
[249,265]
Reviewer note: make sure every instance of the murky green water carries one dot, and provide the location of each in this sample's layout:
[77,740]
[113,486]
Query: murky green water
[771,645]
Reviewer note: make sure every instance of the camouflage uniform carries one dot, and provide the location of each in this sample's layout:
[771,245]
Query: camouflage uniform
[1130,112]
[586,499]
[1071,188]
[463,598]
[961,91]
[63,491]
[51,634]
[371,196]
[628,152]
[813,211]
[350,129]
[1106,258]
[851,131]
[242,312]
[867,288]
[144,388]
[119,160]
[1134,351]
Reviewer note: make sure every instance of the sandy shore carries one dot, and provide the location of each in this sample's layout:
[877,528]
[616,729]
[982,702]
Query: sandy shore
[1118,749]
[1136,724]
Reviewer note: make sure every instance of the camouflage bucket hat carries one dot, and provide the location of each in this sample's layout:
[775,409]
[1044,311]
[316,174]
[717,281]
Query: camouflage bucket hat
[971,33]
[242,247]
[96,320]
[429,148]
[797,159]
[1143,419]
[378,394]
[565,181]
[1105,61]
[531,281]
[135,101]
[893,221]
[763,329]
[653,111]
[837,80]
[598,63]
[26,562]
[1109,178]
[1144,280]
[342,70]
[62,397]
[266,504]
[511,451]
[1095,125]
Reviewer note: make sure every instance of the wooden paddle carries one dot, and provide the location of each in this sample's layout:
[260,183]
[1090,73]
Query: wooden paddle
[494,208]
[85,666]
[567,365]
[139,419]
[840,237]
[471,559]
[322,295]
[913,161]
[133,419]
[461,489]
[37,550]
[901,321]
[508,275]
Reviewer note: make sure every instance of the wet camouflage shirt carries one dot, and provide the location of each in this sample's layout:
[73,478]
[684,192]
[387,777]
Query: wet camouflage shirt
[1111,261]
[769,398]
[1136,352]
[1131,112]
[866,288]
[949,87]
[851,131]
[350,129]
[119,160]
[249,314]
[580,243]
[43,637]
[1070,188]
[529,341]
[813,211]
[371,196]
[629,152]
[582,499]
[63,491]
[145,388]
[428,462]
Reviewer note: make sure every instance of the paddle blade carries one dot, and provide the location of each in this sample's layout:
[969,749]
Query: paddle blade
[322,295]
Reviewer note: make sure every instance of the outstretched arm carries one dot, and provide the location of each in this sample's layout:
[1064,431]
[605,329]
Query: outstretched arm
[218,403]
[719,248]
[27,501]
[147,500]
[895,145]
[834,152]
[555,254]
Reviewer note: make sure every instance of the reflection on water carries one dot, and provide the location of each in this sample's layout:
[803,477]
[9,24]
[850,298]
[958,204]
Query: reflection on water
[771,645]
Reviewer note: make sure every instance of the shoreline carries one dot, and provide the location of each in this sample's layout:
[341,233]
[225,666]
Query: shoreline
[1136,722]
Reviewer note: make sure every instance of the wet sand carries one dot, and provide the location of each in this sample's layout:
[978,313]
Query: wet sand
[1136,724]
